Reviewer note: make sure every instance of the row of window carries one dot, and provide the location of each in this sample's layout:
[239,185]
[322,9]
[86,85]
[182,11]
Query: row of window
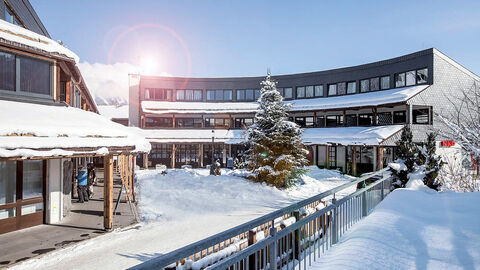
[25,74]
[11,17]
[420,116]
[403,79]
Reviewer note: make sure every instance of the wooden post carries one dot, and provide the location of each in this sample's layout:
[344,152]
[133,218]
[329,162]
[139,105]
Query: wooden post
[297,234]
[380,158]
[145,161]
[200,155]
[344,113]
[327,157]
[354,160]
[108,192]
[173,156]
[374,120]
[252,239]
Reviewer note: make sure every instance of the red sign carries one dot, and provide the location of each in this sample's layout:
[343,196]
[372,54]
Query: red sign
[448,143]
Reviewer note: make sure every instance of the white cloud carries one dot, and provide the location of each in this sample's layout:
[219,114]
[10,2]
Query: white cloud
[109,83]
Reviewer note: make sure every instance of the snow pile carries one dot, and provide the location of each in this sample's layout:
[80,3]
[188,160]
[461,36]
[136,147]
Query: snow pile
[15,33]
[181,194]
[165,107]
[112,111]
[228,136]
[412,229]
[26,128]
[350,135]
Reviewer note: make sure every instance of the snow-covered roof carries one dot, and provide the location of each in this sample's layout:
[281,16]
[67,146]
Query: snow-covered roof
[34,130]
[377,98]
[17,34]
[112,111]
[228,136]
[349,135]
[322,136]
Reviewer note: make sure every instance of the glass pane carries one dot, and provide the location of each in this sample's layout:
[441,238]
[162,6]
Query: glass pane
[240,94]
[249,94]
[198,95]
[147,94]
[385,81]
[319,90]
[34,76]
[8,182]
[32,178]
[411,77]
[374,84]
[210,95]
[32,208]
[219,95]
[309,91]
[400,80]
[288,92]
[300,92]
[188,94]
[364,86]
[351,87]
[332,89]
[180,94]
[7,71]
[422,75]
[8,213]
[341,88]
[227,95]
[257,94]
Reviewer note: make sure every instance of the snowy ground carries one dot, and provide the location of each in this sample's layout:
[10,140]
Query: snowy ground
[179,208]
[412,229]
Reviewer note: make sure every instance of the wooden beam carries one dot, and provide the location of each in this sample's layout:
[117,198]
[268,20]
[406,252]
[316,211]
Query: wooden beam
[380,158]
[354,160]
[145,161]
[327,157]
[173,156]
[108,192]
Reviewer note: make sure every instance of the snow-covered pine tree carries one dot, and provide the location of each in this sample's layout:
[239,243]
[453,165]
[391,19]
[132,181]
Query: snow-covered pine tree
[432,162]
[275,152]
[406,153]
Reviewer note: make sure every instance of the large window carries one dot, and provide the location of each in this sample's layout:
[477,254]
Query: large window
[351,120]
[188,122]
[11,17]
[34,76]
[365,119]
[158,122]
[334,120]
[351,87]
[248,94]
[410,78]
[374,84]
[385,82]
[400,80]
[219,95]
[304,121]
[162,94]
[321,121]
[364,86]
[400,117]
[243,122]
[7,71]
[319,90]
[189,95]
[186,154]
[332,90]
[421,116]
[8,182]
[32,178]
[309,92]
[384,118]
[160,154]
[286,92]
[217,122]
[422,75]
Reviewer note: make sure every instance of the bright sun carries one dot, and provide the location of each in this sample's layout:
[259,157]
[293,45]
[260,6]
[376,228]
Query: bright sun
[148,65]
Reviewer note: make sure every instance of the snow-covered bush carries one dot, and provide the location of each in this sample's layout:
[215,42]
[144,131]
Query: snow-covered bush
[457,177]
[275,153]
[406,152]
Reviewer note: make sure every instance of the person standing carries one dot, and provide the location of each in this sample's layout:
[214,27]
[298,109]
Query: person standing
[91,179]
[82,178]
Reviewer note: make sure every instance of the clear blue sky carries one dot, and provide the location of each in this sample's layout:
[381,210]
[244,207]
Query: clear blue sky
[244,38]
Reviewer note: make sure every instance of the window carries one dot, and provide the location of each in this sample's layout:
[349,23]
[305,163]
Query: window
[400,117]
[365,119]
[351,87]
[364,86]
[34,76]
[147,93]
[188,122]
[351,120]
[341,88]
[410,78]
[319,90]
[374,84]
[257,94]
[188,94]
[227,95]
[217,122]
[384,118]
[8,183]
[332,89]
[249,95]
[158,122]
[321,121]
[304,121]
[63,91]
[180,94]
[7,74]
[280,90]
[300,92]
[32,178]
[421,116]
[334,120]
[422,75]
[218,95]
[11,17]
[210,95]
[288,93]
[309,92]
[243,122]
[240,94]
[160,94]
[385,82]
[332,157]
[198,95]
[400,80]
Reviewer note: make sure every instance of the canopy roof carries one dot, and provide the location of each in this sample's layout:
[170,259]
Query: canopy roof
[33,130]
[392,96]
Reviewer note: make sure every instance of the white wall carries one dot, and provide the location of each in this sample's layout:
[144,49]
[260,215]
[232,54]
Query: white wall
[54,209]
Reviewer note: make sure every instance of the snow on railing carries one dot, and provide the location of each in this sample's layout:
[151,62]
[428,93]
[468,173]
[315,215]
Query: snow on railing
[292,235]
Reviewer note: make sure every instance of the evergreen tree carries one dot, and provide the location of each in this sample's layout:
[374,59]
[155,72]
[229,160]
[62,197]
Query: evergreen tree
[432,162]
[406,152]
[275,152]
